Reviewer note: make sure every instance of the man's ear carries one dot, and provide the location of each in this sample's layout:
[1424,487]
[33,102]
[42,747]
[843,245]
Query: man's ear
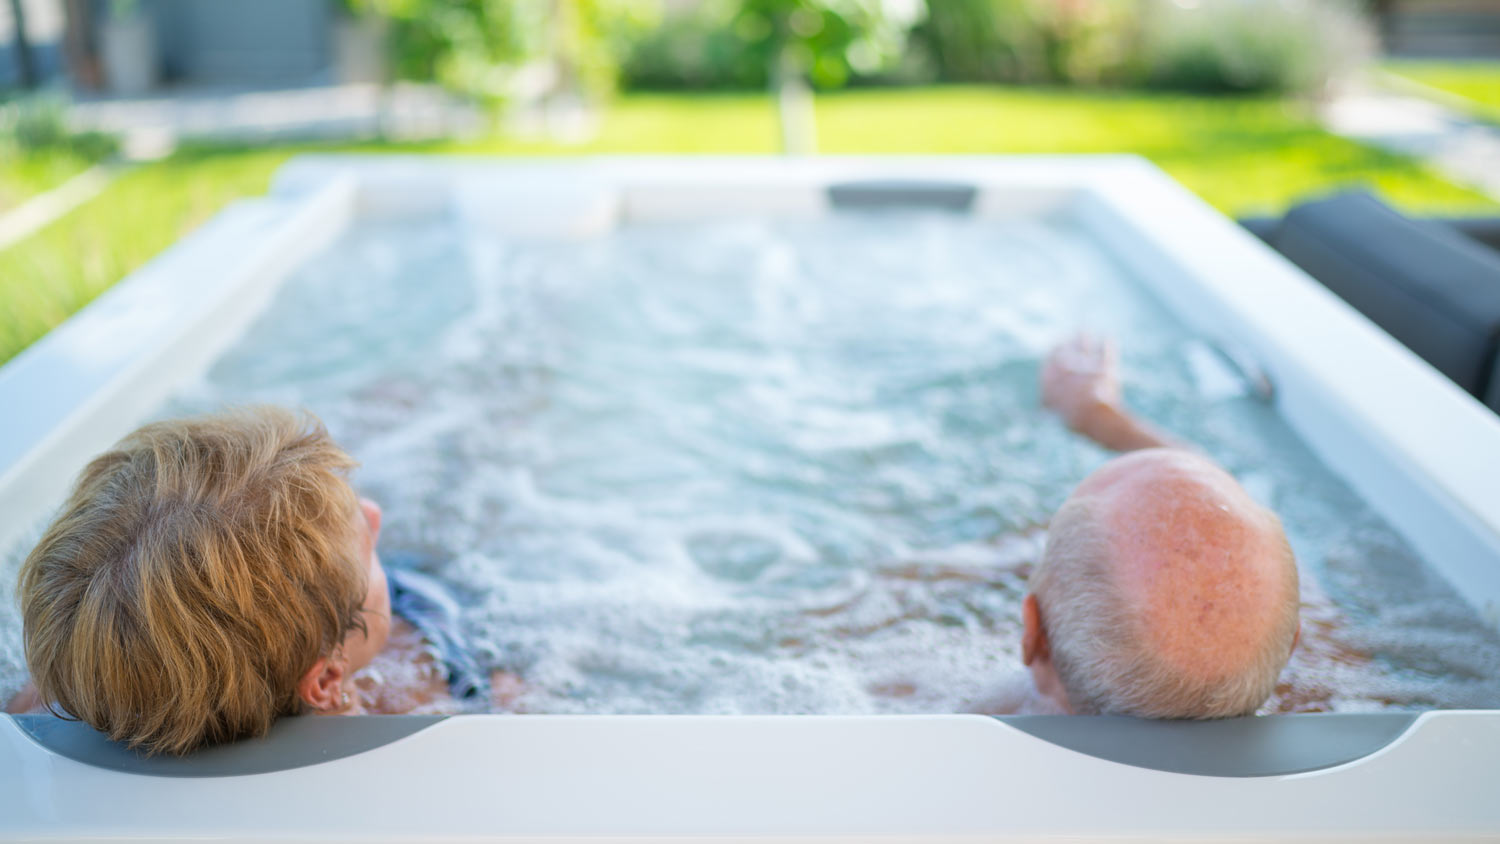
[1033,637]
[322,687]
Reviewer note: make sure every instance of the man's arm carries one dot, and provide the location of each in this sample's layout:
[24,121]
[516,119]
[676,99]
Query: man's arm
[1081,384]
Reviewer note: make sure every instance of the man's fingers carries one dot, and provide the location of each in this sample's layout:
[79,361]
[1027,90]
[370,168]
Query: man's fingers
[1083,354]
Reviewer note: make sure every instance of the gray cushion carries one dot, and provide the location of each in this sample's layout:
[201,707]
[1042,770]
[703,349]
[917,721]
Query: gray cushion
[1262,227]
[1486,230]
[1430,287]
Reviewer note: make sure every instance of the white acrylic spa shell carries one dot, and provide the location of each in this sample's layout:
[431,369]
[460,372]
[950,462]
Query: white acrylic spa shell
[1422,452]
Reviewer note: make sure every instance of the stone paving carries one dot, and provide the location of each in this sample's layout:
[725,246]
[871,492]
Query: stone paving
[153,125]
[1402,120]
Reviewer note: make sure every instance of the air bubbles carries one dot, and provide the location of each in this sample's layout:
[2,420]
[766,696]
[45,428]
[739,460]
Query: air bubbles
[735,557]
[785,467]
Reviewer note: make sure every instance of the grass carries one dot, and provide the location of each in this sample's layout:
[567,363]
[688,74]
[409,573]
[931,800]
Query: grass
[26,174]
[1245,156]
[1477,83]
[50,275]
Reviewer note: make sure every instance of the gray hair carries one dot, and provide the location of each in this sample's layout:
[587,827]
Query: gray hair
[1099,645]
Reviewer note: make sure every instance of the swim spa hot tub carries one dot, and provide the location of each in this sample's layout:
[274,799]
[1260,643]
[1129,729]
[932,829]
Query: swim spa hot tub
[1419,451]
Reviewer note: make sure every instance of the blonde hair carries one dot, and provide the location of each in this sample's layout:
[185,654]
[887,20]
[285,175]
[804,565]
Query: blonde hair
[197,571]
[1099,644]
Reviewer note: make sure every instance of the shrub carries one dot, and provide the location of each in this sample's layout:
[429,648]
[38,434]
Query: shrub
[36,123]
[744,43]
[476,46]
[1084,41]
[40,123]
[1201,45]
[1251,45]
[696,47]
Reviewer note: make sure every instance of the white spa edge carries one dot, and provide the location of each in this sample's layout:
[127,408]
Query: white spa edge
[916,778]
[1421,451]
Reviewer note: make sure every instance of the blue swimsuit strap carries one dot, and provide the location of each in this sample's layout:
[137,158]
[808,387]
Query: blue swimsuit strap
[427,605]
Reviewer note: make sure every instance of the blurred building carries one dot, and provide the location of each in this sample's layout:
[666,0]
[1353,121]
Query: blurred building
[131,46]
[264,42]
[1440,28]
[44,28]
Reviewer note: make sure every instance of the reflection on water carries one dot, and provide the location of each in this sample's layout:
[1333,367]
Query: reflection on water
[760,467]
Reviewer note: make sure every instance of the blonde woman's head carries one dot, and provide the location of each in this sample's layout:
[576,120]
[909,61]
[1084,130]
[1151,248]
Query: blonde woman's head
[198,571]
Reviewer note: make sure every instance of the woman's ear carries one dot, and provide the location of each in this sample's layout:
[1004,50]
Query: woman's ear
[322,687]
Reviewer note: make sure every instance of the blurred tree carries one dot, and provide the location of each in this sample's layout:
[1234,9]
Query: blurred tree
[479,47]
[748,43]
[1288,46]
[827,40]
[1047,41]
[1228,46]
[25,67]
[78,45]
[983,40]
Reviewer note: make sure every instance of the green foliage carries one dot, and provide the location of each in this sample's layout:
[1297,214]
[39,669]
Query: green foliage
[828,40]
[596,35]
[746,43]
[695,48]
[34,123]
[1049,41]
[477,46]
[40,123]
[1200,45]
[1265,45]
[39,152]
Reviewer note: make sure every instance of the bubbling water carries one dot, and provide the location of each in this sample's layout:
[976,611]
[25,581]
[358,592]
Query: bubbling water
[787,467]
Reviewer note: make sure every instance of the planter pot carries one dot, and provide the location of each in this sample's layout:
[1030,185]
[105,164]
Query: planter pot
[359,50]
[127,48]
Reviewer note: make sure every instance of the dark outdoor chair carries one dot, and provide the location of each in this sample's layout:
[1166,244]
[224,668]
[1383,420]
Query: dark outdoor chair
[1433,284]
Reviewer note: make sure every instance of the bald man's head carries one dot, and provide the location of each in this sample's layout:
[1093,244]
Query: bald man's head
[1165,591]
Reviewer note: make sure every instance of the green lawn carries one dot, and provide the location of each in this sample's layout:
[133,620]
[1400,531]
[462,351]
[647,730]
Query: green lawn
[1244,156]
[26,174]
[1477,82]
[53,273]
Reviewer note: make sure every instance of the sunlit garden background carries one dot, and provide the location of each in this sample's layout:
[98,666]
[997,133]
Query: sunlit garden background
[1230,97]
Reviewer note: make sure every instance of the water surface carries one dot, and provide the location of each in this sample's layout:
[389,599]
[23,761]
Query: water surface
[785,467]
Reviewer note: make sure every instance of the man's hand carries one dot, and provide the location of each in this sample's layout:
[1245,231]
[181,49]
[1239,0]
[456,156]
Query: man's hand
[1081,379]
[1081,383]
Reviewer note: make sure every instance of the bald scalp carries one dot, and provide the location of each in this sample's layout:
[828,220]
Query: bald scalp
[1167,591]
